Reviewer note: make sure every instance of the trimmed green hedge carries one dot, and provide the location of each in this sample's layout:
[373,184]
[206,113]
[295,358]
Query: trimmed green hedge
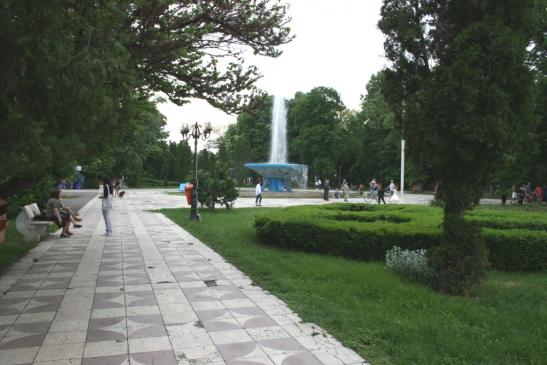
[366,232]
[38,193]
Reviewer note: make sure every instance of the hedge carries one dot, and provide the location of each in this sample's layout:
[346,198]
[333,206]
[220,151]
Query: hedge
[38,193]
[367,232]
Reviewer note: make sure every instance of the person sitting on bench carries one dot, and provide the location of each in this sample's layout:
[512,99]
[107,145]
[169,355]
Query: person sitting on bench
[55,213]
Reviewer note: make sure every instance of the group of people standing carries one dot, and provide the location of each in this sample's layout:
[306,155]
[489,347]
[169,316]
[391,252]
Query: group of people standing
[344,188]
[524,193]
[376,189]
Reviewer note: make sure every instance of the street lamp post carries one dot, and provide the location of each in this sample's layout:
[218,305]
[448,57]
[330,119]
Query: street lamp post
[195,131]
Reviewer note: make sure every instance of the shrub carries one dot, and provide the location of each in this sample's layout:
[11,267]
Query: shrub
[39,193]
[411,264]
[367,234]
[216,187]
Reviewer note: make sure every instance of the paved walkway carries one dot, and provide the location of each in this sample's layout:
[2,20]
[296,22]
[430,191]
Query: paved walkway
[150,294]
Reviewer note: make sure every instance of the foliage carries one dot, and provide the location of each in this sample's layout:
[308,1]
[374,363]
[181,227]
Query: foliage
[367,232]
[248,140]
[385,319]
[410,264]
[465,89]
[216,187]
[379,147]
[314,133]
[75,73]
[39,193]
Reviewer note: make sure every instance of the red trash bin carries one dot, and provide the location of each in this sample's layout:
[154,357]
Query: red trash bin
[188,191]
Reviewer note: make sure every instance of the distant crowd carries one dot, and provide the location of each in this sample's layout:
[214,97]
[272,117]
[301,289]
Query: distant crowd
[524,193]
[376,190]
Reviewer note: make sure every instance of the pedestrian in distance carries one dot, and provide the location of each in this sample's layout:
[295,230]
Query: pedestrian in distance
[3,218]
[394,194]
[538,192]
[514,195]
[345,190]
[258,194]
[326,189]
[381,193]
[107,197]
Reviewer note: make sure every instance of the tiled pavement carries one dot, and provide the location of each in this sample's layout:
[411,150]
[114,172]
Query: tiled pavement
[150,294]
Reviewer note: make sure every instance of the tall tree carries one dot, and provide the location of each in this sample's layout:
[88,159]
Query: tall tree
[314,130]
[379,143]
[70,68]
[248,140]
[460,86]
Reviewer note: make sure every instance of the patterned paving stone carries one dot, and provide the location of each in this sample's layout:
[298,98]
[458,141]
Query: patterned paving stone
[150,294]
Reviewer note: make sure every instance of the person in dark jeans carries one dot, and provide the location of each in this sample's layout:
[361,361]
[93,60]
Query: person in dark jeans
[326,189]
[381,193]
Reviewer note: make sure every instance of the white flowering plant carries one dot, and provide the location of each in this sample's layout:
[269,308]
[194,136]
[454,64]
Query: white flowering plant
[411,264]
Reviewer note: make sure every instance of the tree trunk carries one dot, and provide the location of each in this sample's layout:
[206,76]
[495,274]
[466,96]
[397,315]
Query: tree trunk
[461,258]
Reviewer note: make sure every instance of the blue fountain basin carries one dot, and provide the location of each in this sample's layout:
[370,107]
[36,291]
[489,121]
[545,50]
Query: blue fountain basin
[278,175]
[275,170]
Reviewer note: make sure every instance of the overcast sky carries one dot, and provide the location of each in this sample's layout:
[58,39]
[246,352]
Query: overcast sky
[337,44]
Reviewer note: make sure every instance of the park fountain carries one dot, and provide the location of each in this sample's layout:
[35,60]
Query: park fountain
[279,174]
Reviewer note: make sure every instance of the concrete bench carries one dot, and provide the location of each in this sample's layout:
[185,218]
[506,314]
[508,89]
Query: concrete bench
[28,226]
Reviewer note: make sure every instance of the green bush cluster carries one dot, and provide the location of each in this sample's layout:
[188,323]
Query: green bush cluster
[367,232]
[216,188]
[38,193]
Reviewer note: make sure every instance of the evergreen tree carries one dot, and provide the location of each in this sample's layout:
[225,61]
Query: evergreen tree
[460,87]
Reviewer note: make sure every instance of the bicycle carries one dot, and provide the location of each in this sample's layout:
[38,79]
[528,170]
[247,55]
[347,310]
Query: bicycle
[371,195]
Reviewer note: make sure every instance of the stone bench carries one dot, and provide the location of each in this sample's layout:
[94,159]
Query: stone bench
[29,226]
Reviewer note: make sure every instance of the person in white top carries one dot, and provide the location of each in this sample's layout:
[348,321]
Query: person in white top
[392,187]
[106,197]
[258,193]
[394,195]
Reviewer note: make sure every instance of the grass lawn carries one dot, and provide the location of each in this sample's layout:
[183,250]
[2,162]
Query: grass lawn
[384,318]
[14,247]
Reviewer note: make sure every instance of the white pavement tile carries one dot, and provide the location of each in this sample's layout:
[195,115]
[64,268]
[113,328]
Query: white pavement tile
[35,317]
[105,348]
[234,336]
[60,352]
[149,344]
[74,361]
[69,325]
[200,355]
[109,312]
[61,338]
[18,356]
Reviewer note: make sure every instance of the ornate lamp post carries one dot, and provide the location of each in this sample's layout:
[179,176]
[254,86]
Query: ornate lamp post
[195,131]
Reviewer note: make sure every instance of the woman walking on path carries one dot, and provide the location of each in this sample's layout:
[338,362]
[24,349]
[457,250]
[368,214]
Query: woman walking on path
[107,204]
[258,194]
